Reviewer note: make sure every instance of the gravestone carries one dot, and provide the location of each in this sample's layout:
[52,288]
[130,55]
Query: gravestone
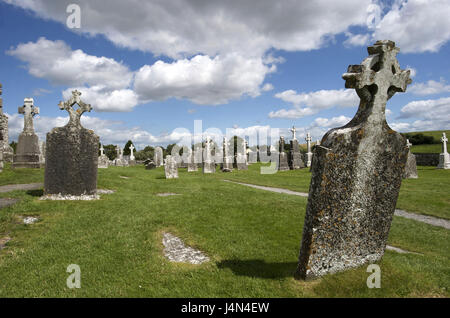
[5,148]
[71,163]
[295,156]
[1,160]
[158,157]
[192,166]
[132,161]
[356,174]
[208,163]
[309,154]
[227,164]
[171,167]
[241,155]
[27,151]
[283,161]
[119,161]
[103,160]
[410,171]
[444,157]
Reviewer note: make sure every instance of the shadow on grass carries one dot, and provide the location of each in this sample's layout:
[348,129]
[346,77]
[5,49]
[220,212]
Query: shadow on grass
[259,268]
[36,193]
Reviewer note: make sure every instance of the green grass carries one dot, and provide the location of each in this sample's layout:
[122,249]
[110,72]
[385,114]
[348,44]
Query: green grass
[436,134]
[252,237]
[434,148]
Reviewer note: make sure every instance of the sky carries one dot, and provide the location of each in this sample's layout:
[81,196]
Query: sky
[154,70]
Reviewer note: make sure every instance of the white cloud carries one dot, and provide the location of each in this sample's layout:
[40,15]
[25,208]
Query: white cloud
[356,39]
[202,79]
[305,104]
[267,87]
[416,25]
[430,87]
[180,28]
[412,71]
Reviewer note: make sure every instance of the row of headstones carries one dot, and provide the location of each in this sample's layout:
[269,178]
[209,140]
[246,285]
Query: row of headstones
[355,179]
[120,161]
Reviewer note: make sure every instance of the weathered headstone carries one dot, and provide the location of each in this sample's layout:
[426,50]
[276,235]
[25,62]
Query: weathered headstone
[309,154]
[119,161]
[295,156]
[158,157]
[5,148]
[241,155]
[283,161]
[27,151]
[410,171]
[209,165]
[171,167]
[103,160]
[444,157]
[357,173]
[71,163]
[192,166]
[227,165]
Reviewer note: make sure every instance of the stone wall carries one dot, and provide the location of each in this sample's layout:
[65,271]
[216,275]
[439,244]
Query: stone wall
[427,159]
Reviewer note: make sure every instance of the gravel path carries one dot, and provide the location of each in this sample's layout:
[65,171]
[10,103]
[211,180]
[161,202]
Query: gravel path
[14,187]
[417,217]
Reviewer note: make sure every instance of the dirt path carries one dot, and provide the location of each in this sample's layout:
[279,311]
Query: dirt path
[413,216]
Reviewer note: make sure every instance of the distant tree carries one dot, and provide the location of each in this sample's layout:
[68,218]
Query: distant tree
[110,151]
[126,149]
[420,139]
[13,146]
[168,150]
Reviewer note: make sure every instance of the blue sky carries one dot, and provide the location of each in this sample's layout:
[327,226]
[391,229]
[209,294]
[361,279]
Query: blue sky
[150,68]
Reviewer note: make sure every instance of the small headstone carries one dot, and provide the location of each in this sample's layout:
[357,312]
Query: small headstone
[192,166]
[5,148]
[309,154]
[295,156]
[103,160]
[227,165]
[356,174]
[120,161]
[158,157]
[149,165]
[283,161]
[27,151]
[171,167]
[410,171]
[209,165]
[444,157]
[71,163]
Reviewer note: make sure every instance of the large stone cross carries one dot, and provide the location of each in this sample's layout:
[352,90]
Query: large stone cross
[28,110]
[101,150]
[293,130]
[444,143]
[377,78]
[308,141]
[75,115]
[132,154]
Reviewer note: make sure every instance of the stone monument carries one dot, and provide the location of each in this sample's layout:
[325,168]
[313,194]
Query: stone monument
[295,156]
[444,157]
[309,154]
[5,148]
[71,163]
[208,163]
[192,166]
[241,155]
[103,160]
[132,161]
[119,161]
[42,153]
[27,151]
[283,161]
[171,167]
[227,164]
[158,157]
[410,171]
[356,174]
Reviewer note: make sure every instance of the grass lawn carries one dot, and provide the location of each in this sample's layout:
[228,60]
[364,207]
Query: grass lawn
[251,236]
[433,148]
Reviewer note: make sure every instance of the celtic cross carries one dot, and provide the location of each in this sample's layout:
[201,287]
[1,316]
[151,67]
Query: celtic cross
[28,110]
[75,115]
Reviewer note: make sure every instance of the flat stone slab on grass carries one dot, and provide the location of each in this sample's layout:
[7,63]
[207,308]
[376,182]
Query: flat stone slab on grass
[105,191]
[3,241]
[176,251]
[124,177]
[4,202]
[30,220]
[14,187]
[399,250]
[166,194]
[278,190]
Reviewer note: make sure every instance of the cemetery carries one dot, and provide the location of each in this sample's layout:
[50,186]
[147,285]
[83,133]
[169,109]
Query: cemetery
[337,192]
